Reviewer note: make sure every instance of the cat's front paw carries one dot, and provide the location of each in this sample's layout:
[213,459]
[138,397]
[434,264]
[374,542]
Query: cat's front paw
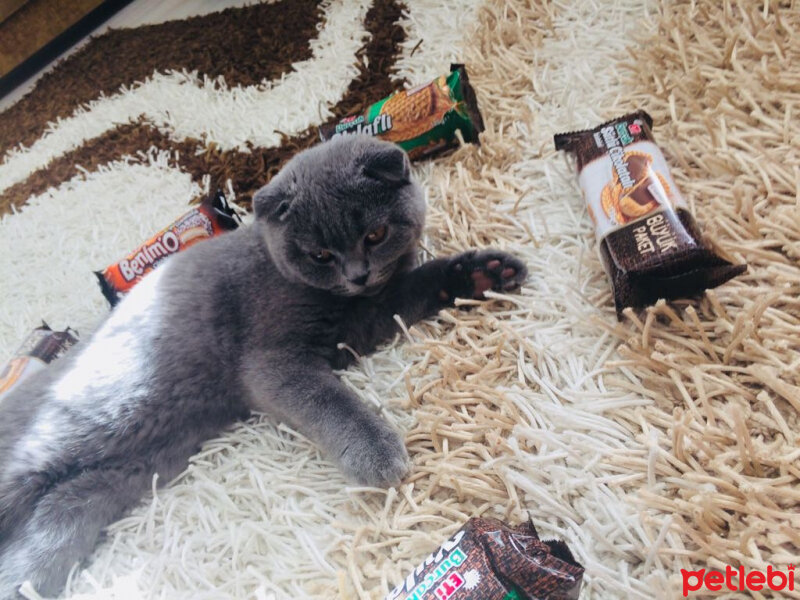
[472,273]
[377,458]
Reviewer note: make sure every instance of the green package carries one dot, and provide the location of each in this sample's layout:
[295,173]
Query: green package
[423,120]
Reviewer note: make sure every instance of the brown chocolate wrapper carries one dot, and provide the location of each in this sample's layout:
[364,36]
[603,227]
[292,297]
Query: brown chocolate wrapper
[488,560]
[650,244]
[39,349]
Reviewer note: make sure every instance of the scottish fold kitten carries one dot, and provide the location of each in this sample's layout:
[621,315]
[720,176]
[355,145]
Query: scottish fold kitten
[249,321]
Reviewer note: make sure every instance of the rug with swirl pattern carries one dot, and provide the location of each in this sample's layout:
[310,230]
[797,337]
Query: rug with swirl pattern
[666,441]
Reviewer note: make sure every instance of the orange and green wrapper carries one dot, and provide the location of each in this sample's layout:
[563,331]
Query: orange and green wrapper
[210,218]
[423,120]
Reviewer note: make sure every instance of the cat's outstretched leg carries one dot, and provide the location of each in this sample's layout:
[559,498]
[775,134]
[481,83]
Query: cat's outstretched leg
[308,396]
[64,527]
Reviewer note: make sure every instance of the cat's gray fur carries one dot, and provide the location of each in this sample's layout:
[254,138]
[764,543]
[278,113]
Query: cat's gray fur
[246,321]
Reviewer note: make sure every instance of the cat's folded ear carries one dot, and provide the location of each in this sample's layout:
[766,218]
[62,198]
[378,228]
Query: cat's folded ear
[270,204]
[388,163]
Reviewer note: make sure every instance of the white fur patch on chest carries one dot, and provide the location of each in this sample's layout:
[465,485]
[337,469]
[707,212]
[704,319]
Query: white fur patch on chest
[114,366]
[107,379]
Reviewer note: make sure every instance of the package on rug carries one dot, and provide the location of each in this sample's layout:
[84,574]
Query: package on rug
[650,244]
[39,349]
[211,217]
[424,120]
[488,560]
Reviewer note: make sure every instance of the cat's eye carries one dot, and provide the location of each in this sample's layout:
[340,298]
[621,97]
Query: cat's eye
[322,257]
[377,236]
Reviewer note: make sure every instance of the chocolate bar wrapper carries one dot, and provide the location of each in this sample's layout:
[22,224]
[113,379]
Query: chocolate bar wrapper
[39,349]
[649,242]
[423,120]
[211,217]
[488,560]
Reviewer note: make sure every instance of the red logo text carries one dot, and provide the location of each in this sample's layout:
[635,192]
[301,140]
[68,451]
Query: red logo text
[449,586]
[738,579]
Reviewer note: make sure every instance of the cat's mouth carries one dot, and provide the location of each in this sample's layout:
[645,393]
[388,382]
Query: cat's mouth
[372,290]
[359,290]
[368,289]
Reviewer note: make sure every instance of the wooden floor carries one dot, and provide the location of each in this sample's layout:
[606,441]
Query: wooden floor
[138,12]
[34,24]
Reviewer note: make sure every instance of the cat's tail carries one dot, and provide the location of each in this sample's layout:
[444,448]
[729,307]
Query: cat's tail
[63,527]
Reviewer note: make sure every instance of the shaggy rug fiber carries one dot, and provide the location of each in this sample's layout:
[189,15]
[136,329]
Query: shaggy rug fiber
[666,441]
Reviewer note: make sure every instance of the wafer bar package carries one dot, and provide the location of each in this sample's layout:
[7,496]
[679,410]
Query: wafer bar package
[422,120]
[211,217]
[39,349]
[488,560]
[650,244]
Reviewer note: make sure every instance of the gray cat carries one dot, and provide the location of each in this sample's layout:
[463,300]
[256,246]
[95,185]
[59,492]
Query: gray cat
[248,321]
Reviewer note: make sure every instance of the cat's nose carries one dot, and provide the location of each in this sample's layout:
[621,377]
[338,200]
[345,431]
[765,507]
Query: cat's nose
[361,279]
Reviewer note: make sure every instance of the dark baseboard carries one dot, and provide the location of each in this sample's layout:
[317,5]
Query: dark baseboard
[59,44]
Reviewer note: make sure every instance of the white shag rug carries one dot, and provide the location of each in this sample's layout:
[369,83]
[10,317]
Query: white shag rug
[643,449]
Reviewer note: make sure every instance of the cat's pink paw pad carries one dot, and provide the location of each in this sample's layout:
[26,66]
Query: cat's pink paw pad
[482,282]
[475,272]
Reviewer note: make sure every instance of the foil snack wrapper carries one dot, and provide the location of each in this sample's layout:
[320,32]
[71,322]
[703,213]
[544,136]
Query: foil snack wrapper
[649,242]
[39,349]
[422,120]
[489,560]
[212,217]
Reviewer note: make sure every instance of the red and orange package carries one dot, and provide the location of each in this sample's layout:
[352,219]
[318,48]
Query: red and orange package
[210,218]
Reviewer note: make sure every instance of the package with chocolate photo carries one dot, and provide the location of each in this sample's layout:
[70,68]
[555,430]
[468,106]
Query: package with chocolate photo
[489,560]
[650,244]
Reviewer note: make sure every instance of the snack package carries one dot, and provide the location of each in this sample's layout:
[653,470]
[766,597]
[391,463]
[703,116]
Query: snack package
[488,560]
[650,244]
[423,120]
[211,217]
[38,350]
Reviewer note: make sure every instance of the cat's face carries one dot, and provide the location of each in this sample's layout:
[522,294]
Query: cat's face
[343,215]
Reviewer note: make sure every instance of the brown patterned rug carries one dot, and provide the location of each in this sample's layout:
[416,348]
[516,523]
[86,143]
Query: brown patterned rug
[243,46]
[665,442]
